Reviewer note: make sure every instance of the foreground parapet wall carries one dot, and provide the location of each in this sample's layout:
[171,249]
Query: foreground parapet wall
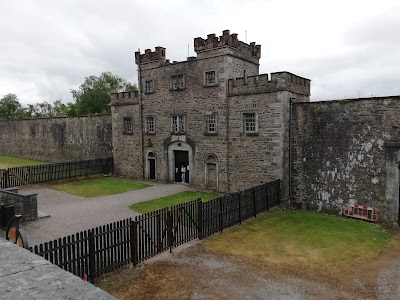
[25,275]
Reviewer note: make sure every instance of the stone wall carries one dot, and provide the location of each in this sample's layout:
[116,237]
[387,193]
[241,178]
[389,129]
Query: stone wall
[25,204]
[127,146]
[347,151]
[57,139]
[25,275]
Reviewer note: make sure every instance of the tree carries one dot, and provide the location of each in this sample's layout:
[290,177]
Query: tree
[9,105]
[93,96]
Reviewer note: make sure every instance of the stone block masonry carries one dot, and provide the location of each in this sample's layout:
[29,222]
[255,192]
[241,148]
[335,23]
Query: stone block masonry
[25,204]
[347,151]
[57,139]
[24,275]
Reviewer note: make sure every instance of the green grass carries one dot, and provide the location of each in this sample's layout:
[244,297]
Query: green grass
[175,199]
[96,187]
[303,239]
[11,161]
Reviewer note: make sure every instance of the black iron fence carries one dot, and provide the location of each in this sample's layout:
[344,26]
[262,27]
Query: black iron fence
[102,249]
[18,176]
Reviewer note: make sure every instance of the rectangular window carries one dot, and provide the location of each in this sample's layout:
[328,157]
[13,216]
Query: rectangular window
[177,82]
[210,78]
[149,86]
[178,124]
[250,122]
[150,125]
[211,123]
[128,125]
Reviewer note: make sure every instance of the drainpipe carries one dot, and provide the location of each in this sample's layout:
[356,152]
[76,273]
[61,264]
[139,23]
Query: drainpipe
[290,146]
[141,113]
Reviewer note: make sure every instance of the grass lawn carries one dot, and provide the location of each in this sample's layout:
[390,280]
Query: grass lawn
[11,161]
[182,197]
[95,187]
[302,239]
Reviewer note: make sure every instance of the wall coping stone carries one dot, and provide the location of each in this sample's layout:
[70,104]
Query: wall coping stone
[24,275]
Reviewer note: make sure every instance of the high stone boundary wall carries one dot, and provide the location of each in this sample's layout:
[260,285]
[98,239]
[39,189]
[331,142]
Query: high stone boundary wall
[347,151]
[57,139]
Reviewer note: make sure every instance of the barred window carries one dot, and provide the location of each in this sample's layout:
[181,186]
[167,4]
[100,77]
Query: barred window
[149,86]
[250,122]
[211,123]
[178,124]
[177,82]
[128,125]
[210,78]
[150,124]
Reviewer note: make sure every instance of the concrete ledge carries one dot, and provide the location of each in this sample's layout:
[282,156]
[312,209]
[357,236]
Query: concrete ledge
[24,275]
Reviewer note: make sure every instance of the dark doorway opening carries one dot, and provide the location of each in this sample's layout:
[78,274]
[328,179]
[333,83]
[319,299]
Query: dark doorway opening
[181,159]
[152,169]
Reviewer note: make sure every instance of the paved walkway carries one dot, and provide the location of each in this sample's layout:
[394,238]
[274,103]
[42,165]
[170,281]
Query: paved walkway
[70,214]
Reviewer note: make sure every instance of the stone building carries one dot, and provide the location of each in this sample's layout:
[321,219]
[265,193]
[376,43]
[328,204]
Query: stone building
[213,113]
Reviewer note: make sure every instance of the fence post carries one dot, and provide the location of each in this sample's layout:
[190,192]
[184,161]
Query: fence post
[101,166]
[221,220]
[266,195]
[200,218]
[253,192]
[240,212]
[7,179]
[279,191]
[92,271]
[169,231]
[159,239]
[134,242]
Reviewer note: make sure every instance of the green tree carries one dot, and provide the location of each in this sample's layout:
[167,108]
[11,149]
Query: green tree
[9,105]
[93,96]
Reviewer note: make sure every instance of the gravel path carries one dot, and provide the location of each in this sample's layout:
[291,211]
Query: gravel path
[70,214]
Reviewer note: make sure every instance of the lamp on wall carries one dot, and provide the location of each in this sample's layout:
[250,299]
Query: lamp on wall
[149,143]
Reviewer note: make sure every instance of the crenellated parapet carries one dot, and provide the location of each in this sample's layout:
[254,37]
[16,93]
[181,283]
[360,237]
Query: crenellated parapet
[125,98]
[276,82]
[150,56]
[213,42]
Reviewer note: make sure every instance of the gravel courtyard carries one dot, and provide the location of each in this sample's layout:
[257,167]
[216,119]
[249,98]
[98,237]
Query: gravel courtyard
[70,214]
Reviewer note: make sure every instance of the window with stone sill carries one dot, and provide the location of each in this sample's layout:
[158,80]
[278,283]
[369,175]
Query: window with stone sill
[149,86]
[210,121]
[150,125]
[210,78]
[178,124]
[177,82]
[128,128]
[250,123]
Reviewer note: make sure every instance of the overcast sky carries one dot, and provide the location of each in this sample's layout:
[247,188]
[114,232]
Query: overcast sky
[349,49]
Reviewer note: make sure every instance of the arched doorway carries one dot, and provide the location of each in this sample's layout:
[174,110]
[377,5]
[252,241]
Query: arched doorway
[151,166]
[211,172]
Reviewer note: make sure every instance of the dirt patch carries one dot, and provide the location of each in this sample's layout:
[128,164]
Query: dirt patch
[198,273]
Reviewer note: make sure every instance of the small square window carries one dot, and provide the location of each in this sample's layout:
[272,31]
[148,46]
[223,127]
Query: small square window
[210,123]
[150,124]
[149,86]
[128,125]
[178,124]
[177,82]
[210,78]
[250,123]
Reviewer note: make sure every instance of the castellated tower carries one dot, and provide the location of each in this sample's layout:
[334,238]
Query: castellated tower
[213,114]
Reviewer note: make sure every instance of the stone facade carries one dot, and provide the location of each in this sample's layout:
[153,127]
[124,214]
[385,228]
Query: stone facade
[25,204]
[57,139]
[214,113]
[347,151]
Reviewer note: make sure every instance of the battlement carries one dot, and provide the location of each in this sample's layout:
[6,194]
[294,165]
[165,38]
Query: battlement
[150,56]
[278,81]
[226,40]
[124,98]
